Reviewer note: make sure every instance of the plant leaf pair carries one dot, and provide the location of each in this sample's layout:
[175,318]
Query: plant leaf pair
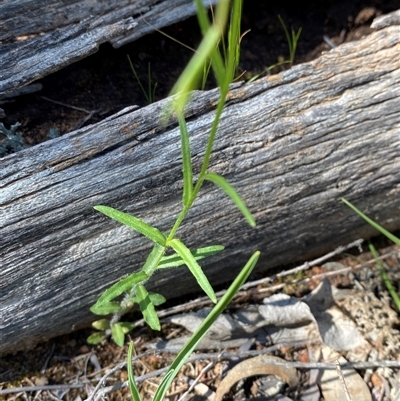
[175,260]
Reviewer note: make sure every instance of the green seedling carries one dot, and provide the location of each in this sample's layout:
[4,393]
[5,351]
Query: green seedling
[389,286]
[150,92]
[292,38]
[168,251]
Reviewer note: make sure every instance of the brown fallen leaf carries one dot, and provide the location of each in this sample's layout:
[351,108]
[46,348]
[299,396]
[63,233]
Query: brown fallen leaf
[257,366]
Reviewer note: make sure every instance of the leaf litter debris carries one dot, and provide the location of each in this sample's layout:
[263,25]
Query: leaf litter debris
[331,334]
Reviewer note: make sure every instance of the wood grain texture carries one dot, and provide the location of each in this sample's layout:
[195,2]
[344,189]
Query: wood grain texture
[40,37]
[291,144]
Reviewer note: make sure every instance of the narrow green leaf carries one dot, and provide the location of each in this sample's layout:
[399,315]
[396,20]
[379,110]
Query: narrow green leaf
[231,192]
[175,260]
[102,324]
[164,385]
[137,224]
[118,288]
[186,161]
[233,57]
[117,334]
[153,260]
[96,338]
[126,326]
[385,278]
[388,234]
[197,336]
[106,308]
[147,308]
[220,20]
[131,377]
[181,249]
[156,299]
[207,49]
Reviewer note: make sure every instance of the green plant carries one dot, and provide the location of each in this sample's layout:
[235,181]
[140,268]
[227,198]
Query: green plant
[132,288]
[292,40]
[195,338]
[393,238]
[150,93]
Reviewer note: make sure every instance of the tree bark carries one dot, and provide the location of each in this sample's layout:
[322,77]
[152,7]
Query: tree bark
[292,144]
[38,38]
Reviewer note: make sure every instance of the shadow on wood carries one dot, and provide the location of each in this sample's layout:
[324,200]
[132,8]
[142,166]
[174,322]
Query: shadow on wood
[291,144]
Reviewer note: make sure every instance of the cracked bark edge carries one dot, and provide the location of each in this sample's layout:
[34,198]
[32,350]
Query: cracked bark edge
[257,366]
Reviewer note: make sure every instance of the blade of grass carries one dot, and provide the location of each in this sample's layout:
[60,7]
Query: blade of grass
[233,56]
[385,278]
[217,63]
[131,377]
[231,192]
[207,49]
[204,327]
[389,235]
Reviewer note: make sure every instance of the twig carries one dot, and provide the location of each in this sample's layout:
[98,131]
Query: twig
[67,105]
[328,41]
[341,378]
[41,388]
[48,357]
[195,381]
[158,372]
[347,365]
[112,371]
[331,273]
[306,265]
[230,355]
[203,301]
[90,113]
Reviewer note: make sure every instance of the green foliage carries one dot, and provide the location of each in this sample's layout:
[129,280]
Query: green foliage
[389,286]
[150,92]
[168,251]
[292,40]
[386,233]
[196,336]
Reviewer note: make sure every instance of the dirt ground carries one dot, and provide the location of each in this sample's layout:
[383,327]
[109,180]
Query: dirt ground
[103,84]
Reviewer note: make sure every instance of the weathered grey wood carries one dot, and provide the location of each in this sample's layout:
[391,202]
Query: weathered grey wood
[40,37]
[292,145]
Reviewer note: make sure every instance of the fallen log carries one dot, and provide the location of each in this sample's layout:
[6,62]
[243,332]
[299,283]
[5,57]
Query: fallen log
[292,145]
[40,37]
